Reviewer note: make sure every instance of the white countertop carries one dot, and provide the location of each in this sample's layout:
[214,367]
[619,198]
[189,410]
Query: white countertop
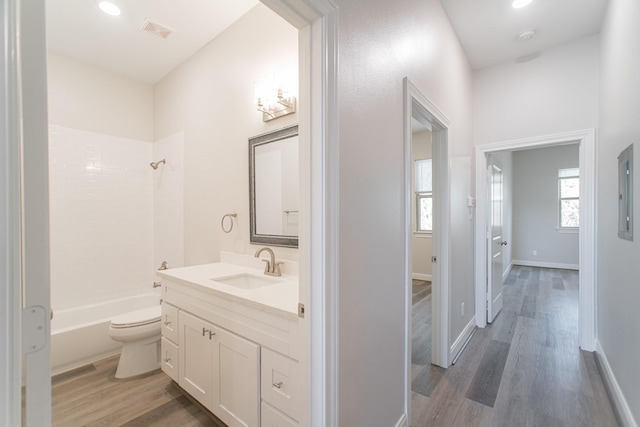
[280,298]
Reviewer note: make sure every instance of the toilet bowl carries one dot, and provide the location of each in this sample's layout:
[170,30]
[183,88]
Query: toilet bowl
[139,332]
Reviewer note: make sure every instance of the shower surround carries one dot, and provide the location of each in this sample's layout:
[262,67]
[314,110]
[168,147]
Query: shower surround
[102,197]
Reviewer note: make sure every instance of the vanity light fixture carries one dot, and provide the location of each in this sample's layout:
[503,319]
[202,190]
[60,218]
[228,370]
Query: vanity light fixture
[518,4]
[109,8]
[273,103]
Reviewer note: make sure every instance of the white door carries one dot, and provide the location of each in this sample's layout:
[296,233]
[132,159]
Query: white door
[495,241]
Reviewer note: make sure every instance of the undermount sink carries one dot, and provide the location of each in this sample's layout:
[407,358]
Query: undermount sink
[246,281]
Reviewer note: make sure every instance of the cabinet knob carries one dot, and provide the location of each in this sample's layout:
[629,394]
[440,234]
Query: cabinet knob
[278,384]
[167,360]
[167,323]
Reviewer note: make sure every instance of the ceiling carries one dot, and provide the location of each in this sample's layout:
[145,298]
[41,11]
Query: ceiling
[77,28]
[488,29]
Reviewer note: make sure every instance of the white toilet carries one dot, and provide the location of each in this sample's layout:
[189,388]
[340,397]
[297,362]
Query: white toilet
[139,332]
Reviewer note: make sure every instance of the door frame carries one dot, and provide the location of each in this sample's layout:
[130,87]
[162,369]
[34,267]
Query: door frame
[316,21]
[587,233]
[415,103]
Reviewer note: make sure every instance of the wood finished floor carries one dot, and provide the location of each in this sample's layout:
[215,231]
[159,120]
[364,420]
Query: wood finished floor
[523,370]
[92,396]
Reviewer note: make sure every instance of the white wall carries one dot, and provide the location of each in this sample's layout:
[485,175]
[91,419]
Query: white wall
[535,208]
[553,93]
[168,202]
[380,42]
[86,97]
[618,267]
[422,243]
[209,99]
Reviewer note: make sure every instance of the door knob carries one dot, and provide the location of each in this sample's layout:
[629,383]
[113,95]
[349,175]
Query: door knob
[504,243]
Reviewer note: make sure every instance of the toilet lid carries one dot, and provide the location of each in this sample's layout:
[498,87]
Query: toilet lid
[140,317]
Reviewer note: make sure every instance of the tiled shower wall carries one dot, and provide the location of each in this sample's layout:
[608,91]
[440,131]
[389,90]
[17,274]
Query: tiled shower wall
[102,215]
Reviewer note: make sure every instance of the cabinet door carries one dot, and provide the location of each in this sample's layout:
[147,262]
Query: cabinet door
[197,355]
[237,380]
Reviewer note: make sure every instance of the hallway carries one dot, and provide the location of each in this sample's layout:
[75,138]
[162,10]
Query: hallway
[523,370]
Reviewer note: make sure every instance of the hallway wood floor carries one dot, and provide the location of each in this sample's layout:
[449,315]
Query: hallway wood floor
[523,370]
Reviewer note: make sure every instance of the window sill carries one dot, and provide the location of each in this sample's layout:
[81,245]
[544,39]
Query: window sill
[422,234]
[568,230]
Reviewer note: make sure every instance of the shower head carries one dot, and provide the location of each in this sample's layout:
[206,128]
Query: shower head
[155,165]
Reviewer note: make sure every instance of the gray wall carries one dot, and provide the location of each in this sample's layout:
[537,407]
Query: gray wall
[535,208]
[379,43]
[619,260]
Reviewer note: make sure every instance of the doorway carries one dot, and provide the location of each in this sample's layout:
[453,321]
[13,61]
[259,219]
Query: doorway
[586,141]
[420,112]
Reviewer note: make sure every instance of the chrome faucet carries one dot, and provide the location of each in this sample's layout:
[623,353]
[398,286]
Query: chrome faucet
[272,267]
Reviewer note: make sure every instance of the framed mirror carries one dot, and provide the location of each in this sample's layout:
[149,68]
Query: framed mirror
[273,187]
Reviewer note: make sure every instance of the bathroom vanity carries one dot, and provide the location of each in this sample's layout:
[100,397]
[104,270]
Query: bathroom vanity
[231,339]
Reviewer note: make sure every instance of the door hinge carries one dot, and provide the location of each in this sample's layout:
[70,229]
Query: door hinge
[301,310]
[434,259]
[34,329]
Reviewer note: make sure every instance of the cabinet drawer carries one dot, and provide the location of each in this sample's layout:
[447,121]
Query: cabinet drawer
[170,322]
[280,383]
[273,418]
[169,359]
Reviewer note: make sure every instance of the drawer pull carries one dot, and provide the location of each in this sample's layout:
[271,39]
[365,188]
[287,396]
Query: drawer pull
[167,360]
[211,334]
[278,384]
[167,323]
[204,331]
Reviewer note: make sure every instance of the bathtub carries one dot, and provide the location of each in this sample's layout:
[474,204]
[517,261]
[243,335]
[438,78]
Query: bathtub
[80,335]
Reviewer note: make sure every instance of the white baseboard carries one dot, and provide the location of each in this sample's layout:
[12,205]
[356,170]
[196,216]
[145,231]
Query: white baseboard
[506,272]
[462,338]
[544,264]
[421,276]
[403,421]
[619,402]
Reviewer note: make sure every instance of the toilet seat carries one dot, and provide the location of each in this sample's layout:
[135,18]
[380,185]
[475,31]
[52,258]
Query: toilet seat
[135,318]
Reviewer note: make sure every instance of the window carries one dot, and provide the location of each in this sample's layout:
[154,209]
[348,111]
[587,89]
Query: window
[569,190]
[424,196]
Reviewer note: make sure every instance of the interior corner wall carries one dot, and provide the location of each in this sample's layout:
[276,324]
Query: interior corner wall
[380,43]
[618,269]
[89,98]
[555,92]
[536,209]
[209,98]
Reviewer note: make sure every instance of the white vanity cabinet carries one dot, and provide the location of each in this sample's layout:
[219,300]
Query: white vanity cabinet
[220,369]
[238,359]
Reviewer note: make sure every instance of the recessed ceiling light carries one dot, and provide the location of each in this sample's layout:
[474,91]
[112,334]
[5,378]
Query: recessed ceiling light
[109,8]
[517,4]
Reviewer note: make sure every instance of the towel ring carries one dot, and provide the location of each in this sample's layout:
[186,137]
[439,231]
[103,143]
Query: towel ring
[231,216]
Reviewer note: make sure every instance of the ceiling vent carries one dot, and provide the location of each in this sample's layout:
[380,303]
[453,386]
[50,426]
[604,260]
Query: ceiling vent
[152,27]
